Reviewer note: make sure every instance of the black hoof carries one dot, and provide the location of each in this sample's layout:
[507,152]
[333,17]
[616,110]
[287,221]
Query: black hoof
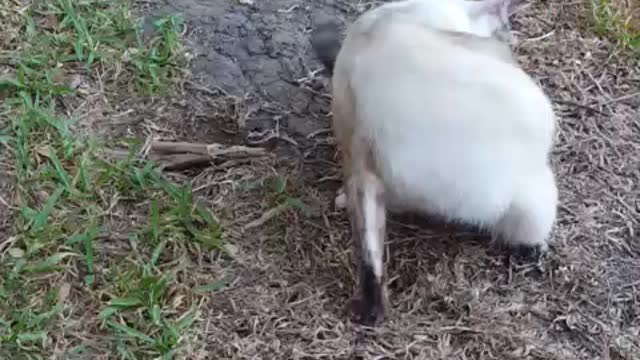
[367,313]
[369,310]
[527,252]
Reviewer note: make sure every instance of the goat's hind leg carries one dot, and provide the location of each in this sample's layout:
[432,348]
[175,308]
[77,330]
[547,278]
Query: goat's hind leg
[365,203]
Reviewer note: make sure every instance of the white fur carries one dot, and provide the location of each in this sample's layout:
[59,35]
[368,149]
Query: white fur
[373,218]
[467,16]
[464,16]
[456,132]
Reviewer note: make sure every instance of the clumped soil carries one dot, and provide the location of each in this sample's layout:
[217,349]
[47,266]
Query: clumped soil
[255,82]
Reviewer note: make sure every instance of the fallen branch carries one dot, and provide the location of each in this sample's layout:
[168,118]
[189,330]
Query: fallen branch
[184,155]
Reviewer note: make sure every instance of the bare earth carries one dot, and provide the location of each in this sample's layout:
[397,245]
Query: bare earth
[452,297]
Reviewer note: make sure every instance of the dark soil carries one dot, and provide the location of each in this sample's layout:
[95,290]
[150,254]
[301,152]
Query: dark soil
[261,51]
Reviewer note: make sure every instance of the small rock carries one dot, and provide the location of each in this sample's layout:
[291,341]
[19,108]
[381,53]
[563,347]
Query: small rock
[231,249]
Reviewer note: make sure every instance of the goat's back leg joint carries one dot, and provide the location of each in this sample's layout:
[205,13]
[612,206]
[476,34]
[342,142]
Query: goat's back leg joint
[365,202]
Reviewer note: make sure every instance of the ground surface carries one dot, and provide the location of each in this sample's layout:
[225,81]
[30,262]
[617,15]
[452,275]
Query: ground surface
[288,292]
[450,298]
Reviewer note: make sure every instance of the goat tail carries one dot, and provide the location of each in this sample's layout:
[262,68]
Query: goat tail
[326,42]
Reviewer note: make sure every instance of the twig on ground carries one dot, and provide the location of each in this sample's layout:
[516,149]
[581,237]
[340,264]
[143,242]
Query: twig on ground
[177,156]
[621,98]
[6,245]
[217,91]
[3,202]
[184,155]
[267,135]
[266,216]
[328,131]
[212,150]
[581,106]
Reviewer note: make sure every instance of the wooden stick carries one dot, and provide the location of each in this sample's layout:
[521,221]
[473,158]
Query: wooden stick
[184,155]
[178,147]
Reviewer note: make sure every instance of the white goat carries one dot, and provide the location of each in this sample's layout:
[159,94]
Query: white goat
[433,115]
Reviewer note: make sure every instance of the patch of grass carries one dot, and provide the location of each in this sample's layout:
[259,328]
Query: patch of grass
[142,303]
[156,63]
[613,19]
[89,268]
[102,35]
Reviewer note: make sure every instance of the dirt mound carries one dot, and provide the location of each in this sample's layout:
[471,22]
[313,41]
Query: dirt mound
[261,50]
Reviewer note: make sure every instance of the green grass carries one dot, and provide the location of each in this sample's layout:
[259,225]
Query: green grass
[92,252]
[613,21]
